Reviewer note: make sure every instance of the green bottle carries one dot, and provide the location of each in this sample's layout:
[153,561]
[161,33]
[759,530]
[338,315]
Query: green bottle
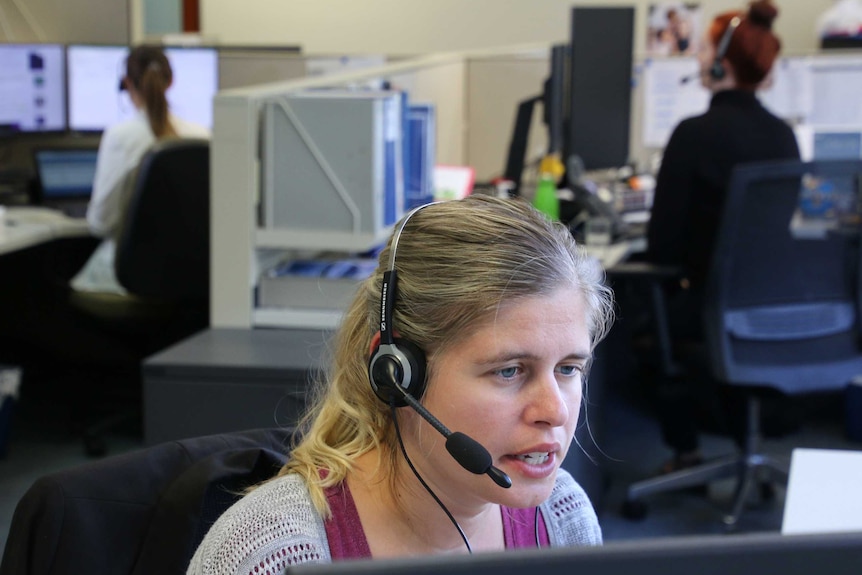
[545,199]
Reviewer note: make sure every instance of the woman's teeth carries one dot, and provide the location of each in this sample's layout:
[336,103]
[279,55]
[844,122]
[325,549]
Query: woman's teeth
[536,458]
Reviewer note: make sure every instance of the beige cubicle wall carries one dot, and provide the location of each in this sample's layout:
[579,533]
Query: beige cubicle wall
[69,21]
[495,87]
[239,67]
[242,66]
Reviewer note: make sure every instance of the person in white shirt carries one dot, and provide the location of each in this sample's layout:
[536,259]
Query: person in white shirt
[843,18]
[148,77]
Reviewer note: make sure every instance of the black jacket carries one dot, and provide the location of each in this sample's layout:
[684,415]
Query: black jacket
[138,513]
[695,172]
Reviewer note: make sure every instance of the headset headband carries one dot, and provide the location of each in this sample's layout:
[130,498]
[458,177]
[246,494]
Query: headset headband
[387,295]
[726,37]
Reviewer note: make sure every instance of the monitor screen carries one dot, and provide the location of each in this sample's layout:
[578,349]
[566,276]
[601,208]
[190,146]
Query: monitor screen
[741,554]
[96,102]
[65,173]
[837,145]
[600,86]
[32,87]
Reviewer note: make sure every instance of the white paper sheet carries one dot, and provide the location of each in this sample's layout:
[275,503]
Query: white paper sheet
[668,99]
[823,493]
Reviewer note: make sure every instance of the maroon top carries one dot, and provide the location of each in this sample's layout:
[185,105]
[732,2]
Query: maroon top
[347,539]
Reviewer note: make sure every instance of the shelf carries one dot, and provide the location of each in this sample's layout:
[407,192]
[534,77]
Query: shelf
[320,240]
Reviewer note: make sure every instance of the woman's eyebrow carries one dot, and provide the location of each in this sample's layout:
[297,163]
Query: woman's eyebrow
[506,356]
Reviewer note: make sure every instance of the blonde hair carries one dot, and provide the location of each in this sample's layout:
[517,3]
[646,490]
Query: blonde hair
[457,262]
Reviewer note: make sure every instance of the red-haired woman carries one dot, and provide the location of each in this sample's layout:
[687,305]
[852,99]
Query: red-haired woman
[738,53]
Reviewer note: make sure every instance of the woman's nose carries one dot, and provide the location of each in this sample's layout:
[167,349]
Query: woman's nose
[549,404]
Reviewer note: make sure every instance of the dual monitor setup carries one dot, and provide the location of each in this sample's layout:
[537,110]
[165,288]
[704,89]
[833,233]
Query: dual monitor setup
[586,104]
[75,87]
[586,99]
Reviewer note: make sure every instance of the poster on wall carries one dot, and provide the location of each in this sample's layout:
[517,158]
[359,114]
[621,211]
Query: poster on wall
[674,29]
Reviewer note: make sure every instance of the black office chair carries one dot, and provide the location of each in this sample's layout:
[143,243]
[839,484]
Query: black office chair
[781,313]
[140,512]
[163,261]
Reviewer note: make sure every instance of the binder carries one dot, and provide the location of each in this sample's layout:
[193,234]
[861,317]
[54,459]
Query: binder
[421,136]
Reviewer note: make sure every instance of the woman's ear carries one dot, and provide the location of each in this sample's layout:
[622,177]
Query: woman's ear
[375,343]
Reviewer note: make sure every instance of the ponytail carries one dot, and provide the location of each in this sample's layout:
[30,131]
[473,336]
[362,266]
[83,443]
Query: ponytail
[149,71]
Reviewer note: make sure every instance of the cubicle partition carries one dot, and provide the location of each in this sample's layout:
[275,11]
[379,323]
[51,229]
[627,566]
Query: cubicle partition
[246,241]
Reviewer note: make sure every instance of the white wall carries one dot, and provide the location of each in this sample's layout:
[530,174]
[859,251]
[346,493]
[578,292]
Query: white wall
[423,26]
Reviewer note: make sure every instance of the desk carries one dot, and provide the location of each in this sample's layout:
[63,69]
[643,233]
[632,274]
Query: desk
[24,227]
[617,252]
[15,237]
[230,379]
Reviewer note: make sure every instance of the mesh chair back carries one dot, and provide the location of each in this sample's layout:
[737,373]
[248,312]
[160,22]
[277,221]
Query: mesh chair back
[781,302]
[163,250]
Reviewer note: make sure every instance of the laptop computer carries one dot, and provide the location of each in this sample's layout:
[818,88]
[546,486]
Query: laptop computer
[64,179]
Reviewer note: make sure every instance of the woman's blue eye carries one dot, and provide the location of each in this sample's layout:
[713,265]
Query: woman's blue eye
[508,372]
[569,369]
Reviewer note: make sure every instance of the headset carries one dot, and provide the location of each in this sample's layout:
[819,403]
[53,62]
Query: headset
[396,371]
[717,71]
[395,361]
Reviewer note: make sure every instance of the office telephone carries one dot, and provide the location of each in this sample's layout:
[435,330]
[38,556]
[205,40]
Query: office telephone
[584,203]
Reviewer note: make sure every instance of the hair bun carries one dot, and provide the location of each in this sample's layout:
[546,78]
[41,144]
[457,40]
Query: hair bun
[762,13]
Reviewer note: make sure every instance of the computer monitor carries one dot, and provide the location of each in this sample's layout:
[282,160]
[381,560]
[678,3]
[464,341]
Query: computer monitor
[553,100]
[65,172]
[32,88]
[64,178]
[96,102]
[600,86]
[554,97]
[829,142]
[195,83]
[741,554]
[838,145]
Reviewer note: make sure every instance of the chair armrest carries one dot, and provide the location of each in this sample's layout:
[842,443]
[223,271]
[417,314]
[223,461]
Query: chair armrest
[655,276]
[644,270]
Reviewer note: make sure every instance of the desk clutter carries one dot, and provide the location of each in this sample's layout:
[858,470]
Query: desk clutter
[26,226]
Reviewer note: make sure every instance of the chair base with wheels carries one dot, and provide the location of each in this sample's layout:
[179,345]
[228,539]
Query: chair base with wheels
[139,328]
[750,467]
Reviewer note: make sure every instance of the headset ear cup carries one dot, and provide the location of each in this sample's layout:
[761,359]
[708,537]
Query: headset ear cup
[416,356]
[400,352]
